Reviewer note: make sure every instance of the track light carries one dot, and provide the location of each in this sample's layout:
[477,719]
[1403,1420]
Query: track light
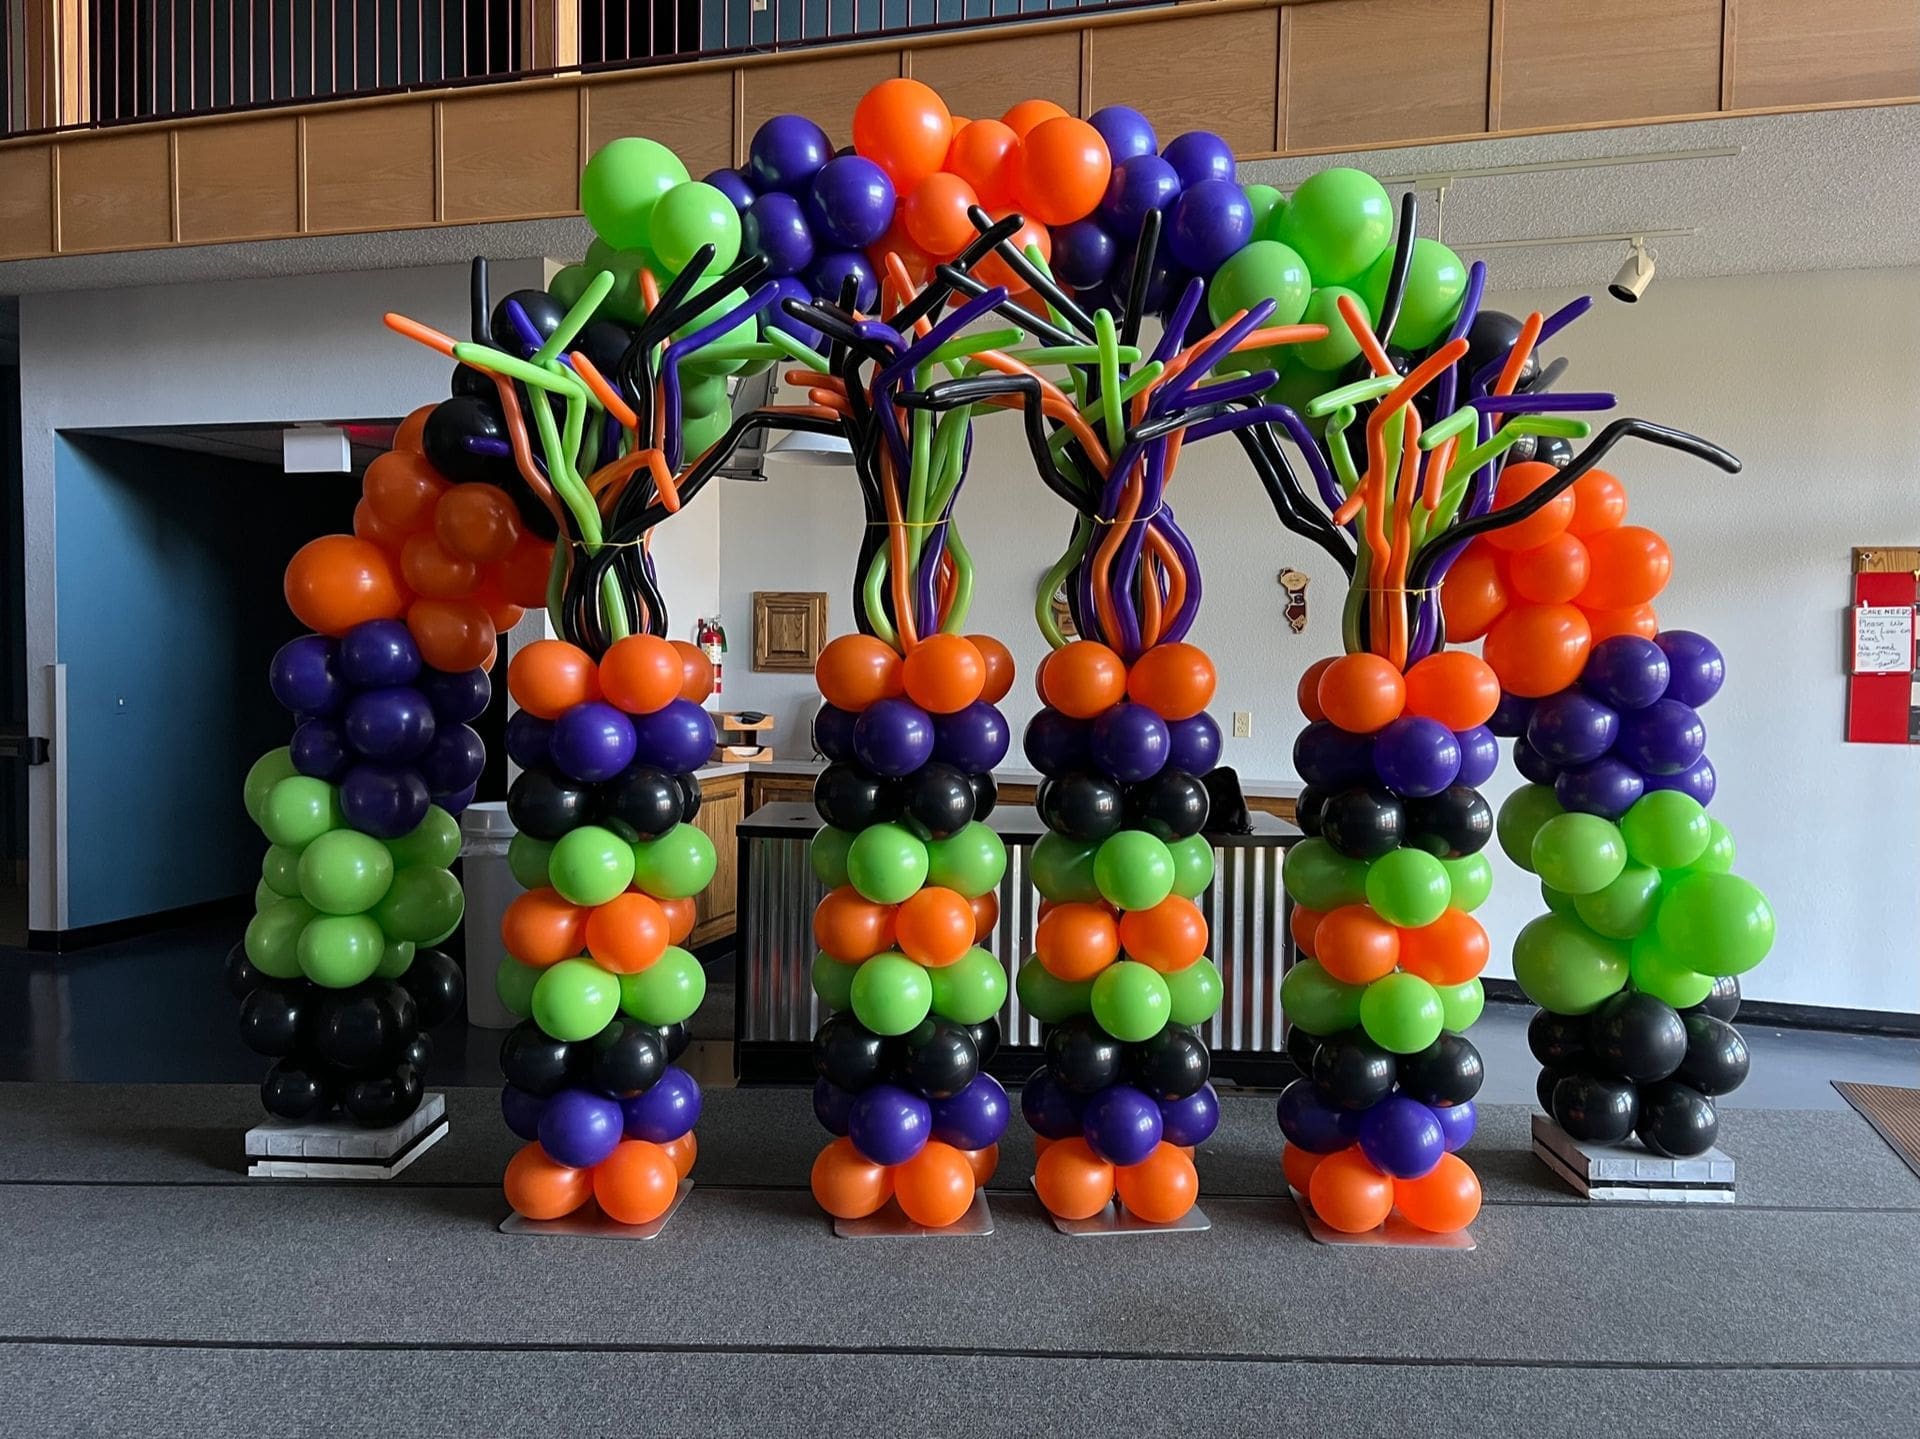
[1635,274]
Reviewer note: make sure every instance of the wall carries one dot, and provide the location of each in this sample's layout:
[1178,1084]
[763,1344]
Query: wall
[1801,375]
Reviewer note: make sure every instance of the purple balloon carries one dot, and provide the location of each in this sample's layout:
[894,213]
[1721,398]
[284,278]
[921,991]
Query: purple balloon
[1316,1127]
[831,1106]
[1130,742]
[1083,255]
[1456,1125]
[833,732]
[319,749]
[1127,132]
[1200,155]
[457,697]
[1698,667]
[1533,765]
[831,271]
[522,1111]
[888,1124]
[592,742]
[775,316]
[529,740]
[1510,716]
[1401,1137]
[678,737]
[453,761]
[974,1117]
[1137,187]
[1166,278]
[1191,1120]
[1697,779]
[1664,738]
[734,186]
[1416,756]
[579,1128]
[378,653]
[850,202]
[393,724]
[1607,787]
[1123,1125]
[664,1111]
[456,803]
[974,739]
[1057,744]
[893,737]
[305,676]
[786,152]
[1572,727]
[1211,221]
[1193,744]
[1050,1111]
[1479,755]
[384,801]
[1326,755]
[1628,672]
[776,227]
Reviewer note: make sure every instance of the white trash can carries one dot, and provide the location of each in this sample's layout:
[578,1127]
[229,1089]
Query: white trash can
[485,832]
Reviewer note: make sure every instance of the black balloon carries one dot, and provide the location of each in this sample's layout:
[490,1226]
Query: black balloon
[848,1054]
[1364,822]
[544,805]
[1086,807]
[384,1099]
[1637,1037]
[1595,1109]
[271,1018]
[465,439]
[476,383]
[1676,1120]
[941,1058]
[242,976]
[1723,1001]
[1545,1081]
[534,1061]
[627,1057]
[1447,1072]
[1717,1060]
[639,803]
[850,798]
[293,1092]
[437,985]
[1171,1065]
[1456,821]
[359,1031]
[419,1052]
[539,309]
[1084,1058]
[605,343]
[1489,337]
[1301,1048]
[986,1038]
[675,1037]
[1557,1039]
[1170,806]
[939,798]
[690,796]
[1350,1071]
[1552,450]
[986,793]
[1308,807]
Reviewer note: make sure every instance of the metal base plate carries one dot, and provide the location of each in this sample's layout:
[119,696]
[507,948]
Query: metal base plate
[589,1222]
[1396,1233]
[1114,1219]
[298,1149]
[1627,1174]
[890,1223]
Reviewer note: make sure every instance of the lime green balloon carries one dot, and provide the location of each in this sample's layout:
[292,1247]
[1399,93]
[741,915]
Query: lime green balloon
[1578,853]
[701,432]
[397,959]
[970,861]
[1401,1013]
[622,183]
[600,256]
[576,999]
[568,284]
[1341,347]
[1558,901]
[886,863]
[1521,815]
[1299,386]
[1131,1001]
[1062,869]
[345,872]
[297,811]
[1195,993]
[828,855]
[1623,908]
[264,895]
[1132,869]
[1266,204]
[1340,221]
[1654,971]
[513,984]
[1192,865]
[267,771]
[1567,968]
[678,865]
[424,905]
[273,937]
[527,857]
[745,331]
[1436,282]
[1316,1001]
[1048,998]
[592,864]
[1666,829]
[435,840]
[340,950]
[971,990]
[689,216]
[1721,923]
[1320,877]
[1460,1004]
[627,300]
[890,993]
[667,991]
[833,980]
[1472,878]
[1717,858]
[701,393]
[280,870]
[1408,887]
[1262,270]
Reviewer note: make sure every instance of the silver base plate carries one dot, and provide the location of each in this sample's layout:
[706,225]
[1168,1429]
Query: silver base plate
[1628,1174]
[301,1149]
[1114,1219]
[889,1222]
[590,1222]
[1396,1233]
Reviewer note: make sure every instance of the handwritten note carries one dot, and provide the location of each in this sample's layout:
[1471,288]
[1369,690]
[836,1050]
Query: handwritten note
[1882,639]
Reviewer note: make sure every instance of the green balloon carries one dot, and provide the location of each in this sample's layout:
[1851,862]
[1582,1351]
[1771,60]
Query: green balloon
[568,284]
[1316,1001]
[1050,999]
[1262,270]
[1062,869]
[1340,221]
[1408,887]
[1192,865]
[1567,968]
[299,810]
[1655,972]
[1340,348]
[576,999]
[1131,1001]
[1133,870]
[1578,853]
[833,980]
[1718,856]
[513,983]
[1666,829]
[703,393]
[1436,282]
[1194,993]
[435,841]
[424,905]
[1521,815]
[265,894]
[397,959]
[1721,923]
[678,865]
[1460,1004]
[1472,878]
[527,857]
[600,256]
[1623,908]
[886,863]
[1320,877]
[828,854]
[1558,901]
[969,861]
[1401,1013]
[345,872]
[890,993]
[267,771]
[666,991]
[1266,204]
[273,937]
[341,950]
[1297,387]
[592,864]
[627,300]
[689,216]
[971,990]
[280,870]
[701,432]
[622,183]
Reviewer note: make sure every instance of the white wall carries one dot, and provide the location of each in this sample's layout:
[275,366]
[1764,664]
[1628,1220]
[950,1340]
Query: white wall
[1810,378]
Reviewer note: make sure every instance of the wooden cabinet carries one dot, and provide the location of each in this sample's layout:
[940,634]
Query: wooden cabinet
[778,789]
[722,807]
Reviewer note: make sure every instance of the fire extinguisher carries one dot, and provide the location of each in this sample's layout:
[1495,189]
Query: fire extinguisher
[711,637]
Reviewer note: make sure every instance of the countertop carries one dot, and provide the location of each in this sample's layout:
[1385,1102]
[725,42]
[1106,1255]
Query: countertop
[1005,774]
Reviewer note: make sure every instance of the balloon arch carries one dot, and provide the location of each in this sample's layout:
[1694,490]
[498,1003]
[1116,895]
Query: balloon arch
[936,271]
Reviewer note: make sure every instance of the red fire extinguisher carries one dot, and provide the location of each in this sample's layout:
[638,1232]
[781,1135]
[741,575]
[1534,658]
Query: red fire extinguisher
[711,638]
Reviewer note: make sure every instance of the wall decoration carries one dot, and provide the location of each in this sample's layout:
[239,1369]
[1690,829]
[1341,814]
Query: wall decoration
[789,630]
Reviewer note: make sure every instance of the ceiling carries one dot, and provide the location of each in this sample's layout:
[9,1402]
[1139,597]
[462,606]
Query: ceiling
[259,444]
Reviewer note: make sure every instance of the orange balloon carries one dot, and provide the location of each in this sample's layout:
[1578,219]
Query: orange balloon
[682,1151]
[1599,503]
[628,933]
[1537,649]
[1039,675]
[934,926]
[1631,565]
[338,581]
[1085,679]
[550,677]
[897,241]
[412,430]
[1175,681]
[999,662]
[1518,481]
[984,1162]
[851,928]
[1064,168]
[1475,592]
[636,1183]
[641,674]
[432,571]
[1304,925]
[1298,1165]
[681,914]
[986,914]
[1456,688]
[854,671]
[1355,945]
[504,616]
[1023,117]
[935,215]
[935,1187]
[1041,1144]
[402,489]
[1168,937]
[1032,235]
[479,522]
[523,574]
[985,153]
[696,673]
[1634,620]
[1307,693]
[1552,572]
[1444,1200]
[1362,693]
[1072,1181]
[847,1184]
[369,526]
[1349,1194]
[1451,950]
[453,634]
[1160,1188]
[1076,941]
[540,1187]
[540,928]
[943,674]
[905,128]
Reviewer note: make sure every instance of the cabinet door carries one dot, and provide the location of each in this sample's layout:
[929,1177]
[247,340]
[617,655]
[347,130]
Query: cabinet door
[720,815]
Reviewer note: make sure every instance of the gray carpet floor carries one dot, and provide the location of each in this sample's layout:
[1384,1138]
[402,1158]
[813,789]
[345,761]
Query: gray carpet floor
[146,1287]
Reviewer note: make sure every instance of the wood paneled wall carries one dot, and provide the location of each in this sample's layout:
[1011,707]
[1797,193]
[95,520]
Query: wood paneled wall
[1273,76]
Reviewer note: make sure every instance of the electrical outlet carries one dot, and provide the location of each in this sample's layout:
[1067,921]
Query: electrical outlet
[1243,724]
